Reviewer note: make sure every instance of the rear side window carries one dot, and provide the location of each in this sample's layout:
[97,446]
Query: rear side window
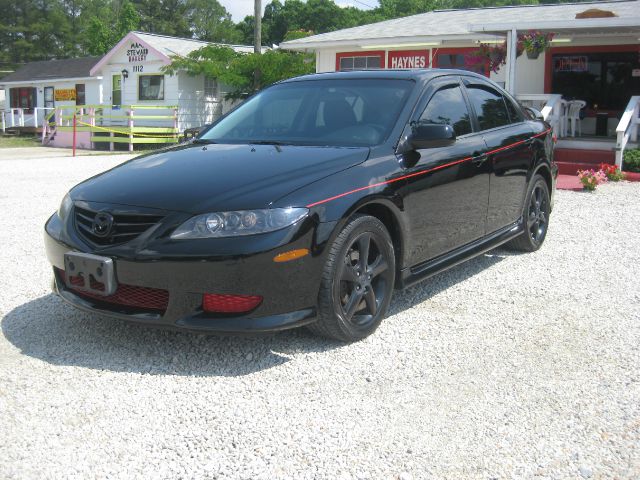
[515,113]
[489,106]
[447,106]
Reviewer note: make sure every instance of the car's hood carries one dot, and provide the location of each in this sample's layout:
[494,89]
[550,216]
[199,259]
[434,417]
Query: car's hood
[198,178]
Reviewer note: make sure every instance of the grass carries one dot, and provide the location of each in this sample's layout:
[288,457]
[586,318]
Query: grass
[10,141]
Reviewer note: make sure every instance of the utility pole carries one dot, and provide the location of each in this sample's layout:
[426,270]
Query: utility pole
[257,34]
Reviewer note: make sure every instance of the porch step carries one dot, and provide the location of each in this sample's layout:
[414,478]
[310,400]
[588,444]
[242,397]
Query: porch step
[593,157]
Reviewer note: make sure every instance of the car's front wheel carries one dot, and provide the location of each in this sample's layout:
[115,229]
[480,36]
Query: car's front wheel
[357,281]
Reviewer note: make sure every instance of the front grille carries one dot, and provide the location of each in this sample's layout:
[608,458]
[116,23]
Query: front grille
[154,299]
[125,227]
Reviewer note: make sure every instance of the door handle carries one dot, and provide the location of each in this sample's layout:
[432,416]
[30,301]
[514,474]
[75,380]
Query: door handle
[479,159]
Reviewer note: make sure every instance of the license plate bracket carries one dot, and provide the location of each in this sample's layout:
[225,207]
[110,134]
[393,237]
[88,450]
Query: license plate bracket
[97,273]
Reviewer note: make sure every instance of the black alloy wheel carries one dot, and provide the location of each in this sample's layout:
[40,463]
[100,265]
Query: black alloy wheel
[535,217]
[538,217]
[357,282]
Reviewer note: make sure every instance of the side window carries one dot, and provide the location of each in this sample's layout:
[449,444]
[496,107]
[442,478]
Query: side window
[447,106]
[489,106]
[515,114]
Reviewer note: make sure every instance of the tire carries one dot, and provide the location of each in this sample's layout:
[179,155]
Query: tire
[354,296]
[535,216]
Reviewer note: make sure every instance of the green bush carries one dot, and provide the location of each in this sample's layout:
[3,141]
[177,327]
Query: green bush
[632,160]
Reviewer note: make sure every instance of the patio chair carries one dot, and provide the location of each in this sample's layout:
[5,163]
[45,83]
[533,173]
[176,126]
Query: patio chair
[573,115]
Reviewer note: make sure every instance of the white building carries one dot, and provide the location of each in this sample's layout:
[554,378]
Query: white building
[38,87]
[131,75]
[122,97]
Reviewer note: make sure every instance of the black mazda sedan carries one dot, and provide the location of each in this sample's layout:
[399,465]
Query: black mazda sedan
[308,204]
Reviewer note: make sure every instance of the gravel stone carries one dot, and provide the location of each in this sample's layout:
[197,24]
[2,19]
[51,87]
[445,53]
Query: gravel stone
[508,366]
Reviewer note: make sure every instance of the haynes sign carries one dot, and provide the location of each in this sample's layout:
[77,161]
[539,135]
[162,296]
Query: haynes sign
[409,59]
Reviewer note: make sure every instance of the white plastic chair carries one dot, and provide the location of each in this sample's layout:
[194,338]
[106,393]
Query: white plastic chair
[573,115]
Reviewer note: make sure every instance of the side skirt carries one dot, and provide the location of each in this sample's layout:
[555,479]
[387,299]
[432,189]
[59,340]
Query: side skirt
[412,275]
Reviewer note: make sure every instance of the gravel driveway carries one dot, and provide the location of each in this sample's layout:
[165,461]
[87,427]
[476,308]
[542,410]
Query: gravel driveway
[510,366]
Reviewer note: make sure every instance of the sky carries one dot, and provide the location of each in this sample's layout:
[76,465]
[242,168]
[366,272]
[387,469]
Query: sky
[241,8]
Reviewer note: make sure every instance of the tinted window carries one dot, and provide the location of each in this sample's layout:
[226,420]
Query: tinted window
[515,114]
[317,112]
[447,106]
[489,106]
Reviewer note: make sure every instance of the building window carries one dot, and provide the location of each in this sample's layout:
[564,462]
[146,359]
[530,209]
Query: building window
[348,61]
[210,87]
[151,87]
[23,98]
[605,80]
[80,97]
[456,58]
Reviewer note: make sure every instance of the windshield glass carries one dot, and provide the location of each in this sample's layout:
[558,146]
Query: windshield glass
[355,112]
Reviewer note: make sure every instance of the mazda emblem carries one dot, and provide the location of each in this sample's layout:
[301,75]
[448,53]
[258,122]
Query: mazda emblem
[102,224]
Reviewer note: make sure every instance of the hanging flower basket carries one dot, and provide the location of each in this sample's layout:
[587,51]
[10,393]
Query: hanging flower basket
[492,55]
[534,43]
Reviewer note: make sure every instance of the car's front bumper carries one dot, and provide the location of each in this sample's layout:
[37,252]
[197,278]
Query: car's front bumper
[289,289]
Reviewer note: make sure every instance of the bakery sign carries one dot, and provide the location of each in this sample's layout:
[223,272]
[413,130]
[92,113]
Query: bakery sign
[409,59]
[137,52]
[64,94]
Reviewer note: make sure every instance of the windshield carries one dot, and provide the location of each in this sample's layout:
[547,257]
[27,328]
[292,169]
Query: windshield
[355,112]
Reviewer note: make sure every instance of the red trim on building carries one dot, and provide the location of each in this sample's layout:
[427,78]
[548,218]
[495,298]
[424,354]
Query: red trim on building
[369,53]
[548,66]
[449,51]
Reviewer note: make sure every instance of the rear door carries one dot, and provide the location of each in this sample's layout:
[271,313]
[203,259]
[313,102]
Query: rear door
[448,187]
[509,150]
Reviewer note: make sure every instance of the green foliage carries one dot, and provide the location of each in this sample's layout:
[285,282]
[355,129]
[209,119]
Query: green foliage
[296,34]
[632,160]
[244,73]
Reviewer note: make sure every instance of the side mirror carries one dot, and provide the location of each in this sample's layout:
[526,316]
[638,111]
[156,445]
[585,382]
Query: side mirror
[431,135]
[537,114]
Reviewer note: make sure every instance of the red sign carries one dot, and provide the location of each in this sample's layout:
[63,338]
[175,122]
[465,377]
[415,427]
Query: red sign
[409,59]
[571,64]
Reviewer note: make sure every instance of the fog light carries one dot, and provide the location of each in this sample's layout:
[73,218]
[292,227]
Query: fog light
[221,303]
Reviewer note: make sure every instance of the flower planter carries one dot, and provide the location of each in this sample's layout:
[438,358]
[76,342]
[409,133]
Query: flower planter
[532,55]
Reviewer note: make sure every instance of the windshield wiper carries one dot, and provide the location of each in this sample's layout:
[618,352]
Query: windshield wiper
[203,141]
[267,142]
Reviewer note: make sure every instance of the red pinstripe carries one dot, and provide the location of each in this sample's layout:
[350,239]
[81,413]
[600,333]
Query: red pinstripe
[423,172]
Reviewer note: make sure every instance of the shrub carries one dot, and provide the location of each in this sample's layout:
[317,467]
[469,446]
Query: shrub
[590,179]
[632,160]
[612,172]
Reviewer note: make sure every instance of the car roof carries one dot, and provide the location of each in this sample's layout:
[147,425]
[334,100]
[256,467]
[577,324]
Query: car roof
[417,74]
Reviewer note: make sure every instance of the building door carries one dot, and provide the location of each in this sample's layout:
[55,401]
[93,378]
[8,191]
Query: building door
[116,90]
[80,95]
[48,97]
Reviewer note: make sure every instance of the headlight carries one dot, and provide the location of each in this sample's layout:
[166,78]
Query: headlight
[65,207]
[241,222]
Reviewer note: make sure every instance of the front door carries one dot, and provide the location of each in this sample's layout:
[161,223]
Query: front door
[510,156]
[447,198]
[48,97]
[116,90]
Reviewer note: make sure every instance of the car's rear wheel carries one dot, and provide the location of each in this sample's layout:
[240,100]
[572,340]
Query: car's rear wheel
[536,217]
[357,281]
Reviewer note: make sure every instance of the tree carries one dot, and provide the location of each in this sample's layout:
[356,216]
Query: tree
[236,70]
[100,38]
[210,21]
